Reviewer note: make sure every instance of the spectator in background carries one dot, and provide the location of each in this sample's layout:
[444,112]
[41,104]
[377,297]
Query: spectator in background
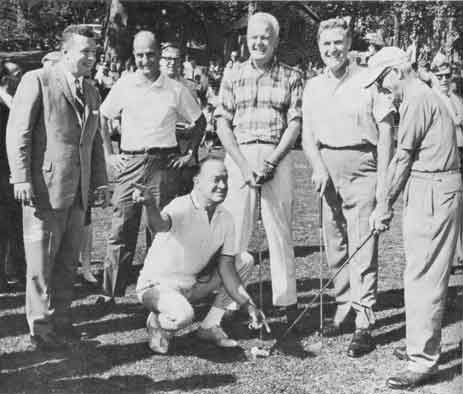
[12,259]
[129,66]
[189,66]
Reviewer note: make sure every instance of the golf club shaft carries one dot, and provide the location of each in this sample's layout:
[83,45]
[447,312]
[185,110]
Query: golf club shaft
[259,255]
[328,283]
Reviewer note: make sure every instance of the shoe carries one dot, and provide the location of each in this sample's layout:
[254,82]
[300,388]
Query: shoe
[159,339]
[401,353]
[407,380]
[48,342]
[105,303]
[362,343]
[216,335]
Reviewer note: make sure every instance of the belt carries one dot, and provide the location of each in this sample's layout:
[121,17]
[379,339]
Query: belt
[151,151]
[445,172]
[360,147]
[436,175]
[257,141]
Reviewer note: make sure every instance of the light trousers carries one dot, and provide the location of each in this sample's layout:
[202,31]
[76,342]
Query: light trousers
[52,239]
[348,203]
[277,199]
[432,220]
[173,305]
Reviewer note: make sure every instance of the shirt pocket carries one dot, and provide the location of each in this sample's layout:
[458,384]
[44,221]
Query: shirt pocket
[278,97]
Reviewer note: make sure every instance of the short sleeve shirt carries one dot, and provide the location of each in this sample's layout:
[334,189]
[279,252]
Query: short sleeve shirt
[177,256]
[149,112]
[260,104]
[342,113]
[426,128]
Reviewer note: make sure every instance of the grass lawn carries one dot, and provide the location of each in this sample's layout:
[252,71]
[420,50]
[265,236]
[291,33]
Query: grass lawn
[116,359]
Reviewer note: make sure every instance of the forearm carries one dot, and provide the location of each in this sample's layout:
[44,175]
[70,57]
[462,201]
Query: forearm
[226,136]
[287,141]
[106,135]
[311,150]
[385,151]
[231,280]
[157,221]
[397,176]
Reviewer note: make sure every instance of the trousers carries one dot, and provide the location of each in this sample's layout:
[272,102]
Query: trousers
[52,240]
[277,200]
[432,220]
[151,171]
[348,203]
[174,304]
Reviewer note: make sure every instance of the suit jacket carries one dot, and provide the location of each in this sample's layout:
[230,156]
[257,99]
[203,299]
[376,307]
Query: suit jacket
[50,145]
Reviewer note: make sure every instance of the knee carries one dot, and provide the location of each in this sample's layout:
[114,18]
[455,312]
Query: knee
[178,318]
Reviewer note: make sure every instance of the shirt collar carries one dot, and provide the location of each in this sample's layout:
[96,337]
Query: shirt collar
[158,83]
[198,206]
[250,64]
[71,79]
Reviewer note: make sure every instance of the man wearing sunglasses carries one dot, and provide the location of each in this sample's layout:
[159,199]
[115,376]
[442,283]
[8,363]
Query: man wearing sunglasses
[347,136]
[426,166]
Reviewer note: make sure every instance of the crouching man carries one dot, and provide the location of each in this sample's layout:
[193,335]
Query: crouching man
[191,256]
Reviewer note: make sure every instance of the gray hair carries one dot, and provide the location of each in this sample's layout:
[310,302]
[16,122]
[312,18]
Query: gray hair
[267,18]
[148,35]
[343,23]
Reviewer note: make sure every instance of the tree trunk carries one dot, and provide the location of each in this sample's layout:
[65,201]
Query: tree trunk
[117,40]
[396,36]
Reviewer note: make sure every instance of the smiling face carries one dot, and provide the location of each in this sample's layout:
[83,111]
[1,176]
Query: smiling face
[170,62]
[262,41]
[79,55]
[444,82]
[212,182]
[334,45]
[146,55]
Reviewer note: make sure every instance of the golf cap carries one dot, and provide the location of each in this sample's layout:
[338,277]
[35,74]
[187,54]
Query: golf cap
[382,60]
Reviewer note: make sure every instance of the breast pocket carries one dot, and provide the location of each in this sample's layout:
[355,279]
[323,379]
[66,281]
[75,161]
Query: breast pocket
[278,97]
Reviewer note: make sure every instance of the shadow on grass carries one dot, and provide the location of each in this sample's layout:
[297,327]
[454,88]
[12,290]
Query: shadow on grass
[452,371]
[299,251]
[12,300]
[127,384]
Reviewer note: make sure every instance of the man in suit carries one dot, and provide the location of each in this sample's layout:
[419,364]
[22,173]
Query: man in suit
[56,160]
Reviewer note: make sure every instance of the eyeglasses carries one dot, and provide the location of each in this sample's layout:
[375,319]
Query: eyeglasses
[380,79]
[443,76]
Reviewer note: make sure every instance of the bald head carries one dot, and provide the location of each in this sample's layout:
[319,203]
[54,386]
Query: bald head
[211,182]
[146,54]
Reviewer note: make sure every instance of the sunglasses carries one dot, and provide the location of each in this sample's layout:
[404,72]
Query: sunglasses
[170,59]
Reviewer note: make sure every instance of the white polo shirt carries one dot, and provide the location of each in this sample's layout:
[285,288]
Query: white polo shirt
[177,256]
[149,112]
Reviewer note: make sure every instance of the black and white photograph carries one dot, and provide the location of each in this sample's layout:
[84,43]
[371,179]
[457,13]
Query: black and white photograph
[237,197]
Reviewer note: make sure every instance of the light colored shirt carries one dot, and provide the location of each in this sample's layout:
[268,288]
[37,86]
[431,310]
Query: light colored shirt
[426,128]
[149,112]
[341,112]
[176,257]
[260,104]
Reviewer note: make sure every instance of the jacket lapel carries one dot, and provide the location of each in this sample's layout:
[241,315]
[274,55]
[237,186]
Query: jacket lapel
[63,83]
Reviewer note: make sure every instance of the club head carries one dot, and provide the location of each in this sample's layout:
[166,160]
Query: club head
[258,352]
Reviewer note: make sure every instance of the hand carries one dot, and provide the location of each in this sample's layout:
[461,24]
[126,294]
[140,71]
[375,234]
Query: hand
[320,179]
[266,172]
[257,319]
[142,195]
[380,218]
[23,192]
[180,161]
[101,197]
[116,161]
[249,177]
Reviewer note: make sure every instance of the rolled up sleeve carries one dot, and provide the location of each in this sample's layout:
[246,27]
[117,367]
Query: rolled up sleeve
[226,106]
[295,98]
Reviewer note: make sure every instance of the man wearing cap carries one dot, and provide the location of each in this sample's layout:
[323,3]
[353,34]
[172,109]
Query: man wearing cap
[427,165]
[149,105]
[259,119]
[347,136]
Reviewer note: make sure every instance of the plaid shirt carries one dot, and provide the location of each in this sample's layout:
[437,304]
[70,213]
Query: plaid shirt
[260,104]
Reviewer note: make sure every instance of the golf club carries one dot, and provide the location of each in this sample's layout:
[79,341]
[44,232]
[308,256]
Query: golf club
[266,353]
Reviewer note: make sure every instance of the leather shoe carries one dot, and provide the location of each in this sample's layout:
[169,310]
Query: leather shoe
[407,380]
[49,342]
[362,343]
[401,353]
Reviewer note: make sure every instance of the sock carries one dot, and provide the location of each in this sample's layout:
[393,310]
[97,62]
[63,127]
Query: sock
[213,318]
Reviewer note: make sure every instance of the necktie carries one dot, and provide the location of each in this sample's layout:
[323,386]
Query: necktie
[80,100]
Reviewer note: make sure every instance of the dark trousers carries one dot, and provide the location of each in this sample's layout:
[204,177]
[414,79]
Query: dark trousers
[151,171]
